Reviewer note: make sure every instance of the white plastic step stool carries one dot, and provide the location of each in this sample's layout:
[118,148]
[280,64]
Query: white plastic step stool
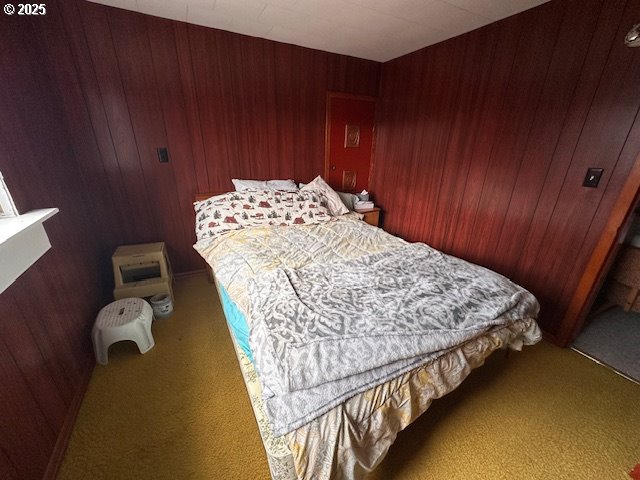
[126,319]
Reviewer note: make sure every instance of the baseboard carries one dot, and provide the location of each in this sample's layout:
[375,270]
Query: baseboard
[190,273]
[551,338]
[55,460]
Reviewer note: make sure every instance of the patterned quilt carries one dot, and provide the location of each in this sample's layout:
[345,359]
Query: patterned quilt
[351,433]
[363,321]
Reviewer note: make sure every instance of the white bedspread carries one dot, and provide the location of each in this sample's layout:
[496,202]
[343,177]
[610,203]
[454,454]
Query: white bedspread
[321,440]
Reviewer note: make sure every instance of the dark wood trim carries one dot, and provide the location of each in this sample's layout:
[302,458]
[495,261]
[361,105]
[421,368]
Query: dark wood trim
[353,96]
[191,273]
[372,160]
[601,259]
[549,337]
[203,196]
[62,442]
[327,135]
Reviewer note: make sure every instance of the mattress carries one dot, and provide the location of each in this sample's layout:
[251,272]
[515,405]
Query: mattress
[350,438]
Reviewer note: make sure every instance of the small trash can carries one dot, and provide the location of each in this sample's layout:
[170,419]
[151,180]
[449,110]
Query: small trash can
[162,305]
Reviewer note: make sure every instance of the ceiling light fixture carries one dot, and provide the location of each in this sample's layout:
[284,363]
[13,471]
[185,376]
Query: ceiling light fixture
[633,37]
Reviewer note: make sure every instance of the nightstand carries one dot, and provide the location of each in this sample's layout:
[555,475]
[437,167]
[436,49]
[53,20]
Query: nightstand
[371,215]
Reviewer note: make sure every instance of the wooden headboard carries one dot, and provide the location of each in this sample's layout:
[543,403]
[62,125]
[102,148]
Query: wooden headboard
[203,196]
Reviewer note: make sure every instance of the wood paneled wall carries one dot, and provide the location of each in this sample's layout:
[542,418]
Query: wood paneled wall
[88,94]
[484,141]
[226,106]
[47,314]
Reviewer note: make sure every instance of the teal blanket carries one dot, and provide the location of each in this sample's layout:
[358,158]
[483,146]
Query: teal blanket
[236,321]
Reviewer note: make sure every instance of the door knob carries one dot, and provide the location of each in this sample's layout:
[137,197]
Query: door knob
[332,167]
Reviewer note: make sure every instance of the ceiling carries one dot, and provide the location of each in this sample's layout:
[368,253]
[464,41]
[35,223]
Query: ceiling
[373,29]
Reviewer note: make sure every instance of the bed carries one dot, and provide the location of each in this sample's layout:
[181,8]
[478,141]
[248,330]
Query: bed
[344,333]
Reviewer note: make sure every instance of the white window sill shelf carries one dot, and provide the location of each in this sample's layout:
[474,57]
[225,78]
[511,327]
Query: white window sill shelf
[23,240]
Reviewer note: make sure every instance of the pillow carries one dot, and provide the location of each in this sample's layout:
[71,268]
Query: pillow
[284,185]
[336,207]
[349,200]
[258,208]
[242,185]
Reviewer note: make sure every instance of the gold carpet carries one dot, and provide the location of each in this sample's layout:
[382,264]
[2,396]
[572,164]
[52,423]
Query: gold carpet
[181,412]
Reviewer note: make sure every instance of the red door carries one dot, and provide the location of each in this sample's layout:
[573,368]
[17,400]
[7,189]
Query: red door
[349,142]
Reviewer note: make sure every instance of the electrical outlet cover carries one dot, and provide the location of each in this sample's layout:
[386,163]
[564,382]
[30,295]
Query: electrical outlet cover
[163,155]
[593,177]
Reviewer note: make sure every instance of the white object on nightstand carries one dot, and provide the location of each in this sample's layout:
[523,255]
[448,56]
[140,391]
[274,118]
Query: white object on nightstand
[126,319]
[363,205]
